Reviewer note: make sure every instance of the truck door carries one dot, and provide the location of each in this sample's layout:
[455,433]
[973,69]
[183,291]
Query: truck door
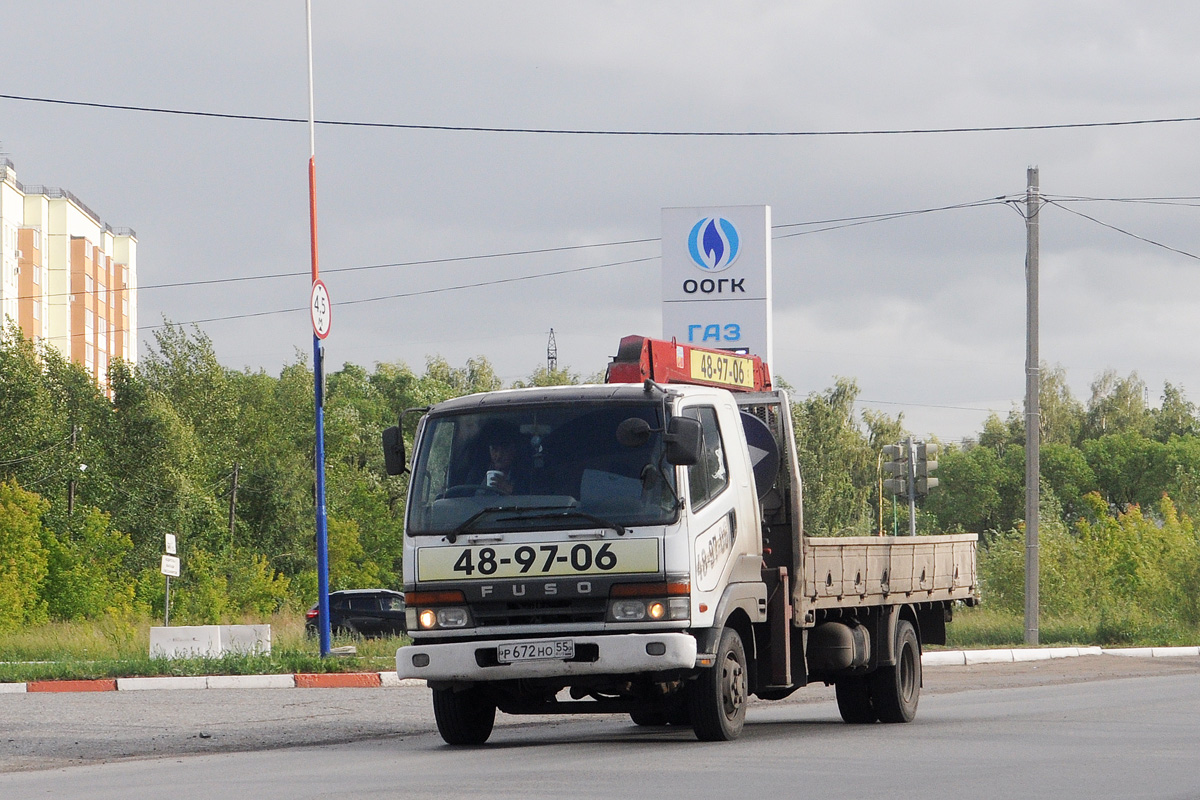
[711,503]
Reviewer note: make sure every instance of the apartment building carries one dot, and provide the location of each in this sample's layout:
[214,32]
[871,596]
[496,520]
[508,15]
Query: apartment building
[67,279]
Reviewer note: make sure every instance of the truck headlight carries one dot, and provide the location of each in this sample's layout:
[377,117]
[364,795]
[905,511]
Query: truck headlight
[438,615]
[634,602]
[452,617]
[627,610]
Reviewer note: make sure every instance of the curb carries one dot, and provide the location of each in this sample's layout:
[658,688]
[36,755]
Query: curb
[327,680]
[104,685]
[371,680]
[959,658]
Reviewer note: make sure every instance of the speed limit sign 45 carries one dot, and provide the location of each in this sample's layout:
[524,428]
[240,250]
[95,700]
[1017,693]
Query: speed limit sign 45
[321,309]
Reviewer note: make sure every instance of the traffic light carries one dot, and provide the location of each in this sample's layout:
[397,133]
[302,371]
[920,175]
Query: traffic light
[926,462]
[896,465]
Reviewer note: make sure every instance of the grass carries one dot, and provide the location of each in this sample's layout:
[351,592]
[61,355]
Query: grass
[984,627]
[115,648]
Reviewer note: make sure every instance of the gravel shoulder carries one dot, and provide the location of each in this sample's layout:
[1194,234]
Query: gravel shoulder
[50,731]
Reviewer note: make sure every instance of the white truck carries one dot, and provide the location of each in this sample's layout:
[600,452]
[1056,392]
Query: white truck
[637,547]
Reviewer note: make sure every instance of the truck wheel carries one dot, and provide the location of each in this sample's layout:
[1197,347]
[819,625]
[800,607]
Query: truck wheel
[464,717]
[648,718]
[896,689]
[854,700]
[717,698]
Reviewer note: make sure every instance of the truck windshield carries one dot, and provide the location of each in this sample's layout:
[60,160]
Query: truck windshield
[547,466]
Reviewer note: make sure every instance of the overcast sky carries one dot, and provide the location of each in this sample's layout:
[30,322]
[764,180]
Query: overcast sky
[926,312]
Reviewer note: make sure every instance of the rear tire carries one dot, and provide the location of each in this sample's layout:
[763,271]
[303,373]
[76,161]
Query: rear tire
[896,690]
[717,699]
[464,717]
[854,700]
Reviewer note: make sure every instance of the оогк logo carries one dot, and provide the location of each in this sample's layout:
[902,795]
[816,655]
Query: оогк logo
[713,244]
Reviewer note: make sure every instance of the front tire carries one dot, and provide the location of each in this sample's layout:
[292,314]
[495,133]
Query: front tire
[896,690]
[648,718]
[854,700]
[717,699]
[464,717]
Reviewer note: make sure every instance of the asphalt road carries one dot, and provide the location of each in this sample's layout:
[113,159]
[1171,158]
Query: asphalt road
[1085,727]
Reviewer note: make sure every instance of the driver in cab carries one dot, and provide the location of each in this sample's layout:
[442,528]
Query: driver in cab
[501,473]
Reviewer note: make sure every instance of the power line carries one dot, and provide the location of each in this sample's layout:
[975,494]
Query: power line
[851,222]
[360,268]
[832,224]
[603,132]
[1123,231]
[32,456]
[438,290]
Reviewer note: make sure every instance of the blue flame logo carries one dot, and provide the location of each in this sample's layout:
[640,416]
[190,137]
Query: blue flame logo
[713,244]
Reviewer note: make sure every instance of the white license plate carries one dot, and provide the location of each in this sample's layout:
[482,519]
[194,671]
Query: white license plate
[550,649]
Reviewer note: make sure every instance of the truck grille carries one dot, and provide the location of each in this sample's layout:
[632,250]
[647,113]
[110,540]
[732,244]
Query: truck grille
[539,612]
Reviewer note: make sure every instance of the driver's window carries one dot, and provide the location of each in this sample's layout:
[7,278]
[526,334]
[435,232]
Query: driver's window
[710,476]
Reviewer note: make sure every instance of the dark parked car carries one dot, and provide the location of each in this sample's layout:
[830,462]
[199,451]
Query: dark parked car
[367,612]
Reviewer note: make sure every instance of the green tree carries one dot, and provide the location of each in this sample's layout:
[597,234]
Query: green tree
[968,494]
[1062,416]
[544,376]
[1117,405]
[23,558]
[87,575]
[1175,417]
[837,462]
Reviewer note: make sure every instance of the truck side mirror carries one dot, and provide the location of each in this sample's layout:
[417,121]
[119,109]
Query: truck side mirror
[684,439]
[393,450]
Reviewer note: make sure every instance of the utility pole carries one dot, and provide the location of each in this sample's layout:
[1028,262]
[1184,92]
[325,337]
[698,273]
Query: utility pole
[551,354]
[1032,410]
[71,483]
[233,501]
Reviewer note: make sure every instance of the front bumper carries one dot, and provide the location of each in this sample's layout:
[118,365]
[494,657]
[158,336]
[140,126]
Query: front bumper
[618,654]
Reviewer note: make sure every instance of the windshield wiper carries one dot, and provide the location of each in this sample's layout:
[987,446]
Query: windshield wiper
[569,512]
[469,523]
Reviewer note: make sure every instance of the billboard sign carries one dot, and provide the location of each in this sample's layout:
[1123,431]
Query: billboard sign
[716,271]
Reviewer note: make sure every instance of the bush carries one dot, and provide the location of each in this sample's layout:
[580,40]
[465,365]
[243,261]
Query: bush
[1136,576]
[24,562]
[87,578]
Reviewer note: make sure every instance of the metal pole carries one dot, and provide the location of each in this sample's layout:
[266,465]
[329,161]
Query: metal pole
[912,488]
[233,502]
[167,605]
[1032,411]
[318,369]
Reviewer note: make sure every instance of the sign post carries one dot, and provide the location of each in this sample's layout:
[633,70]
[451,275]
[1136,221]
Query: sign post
[170,569]
[320,308]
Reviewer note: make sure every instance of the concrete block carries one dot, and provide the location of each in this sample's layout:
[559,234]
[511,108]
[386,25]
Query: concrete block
[209,641]
[943,658]
[1173,652]
[186,641]
[1032,654]
[251,682]
[19,688]
[248,639]
[1132,652]
[149,684]
[989,656]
